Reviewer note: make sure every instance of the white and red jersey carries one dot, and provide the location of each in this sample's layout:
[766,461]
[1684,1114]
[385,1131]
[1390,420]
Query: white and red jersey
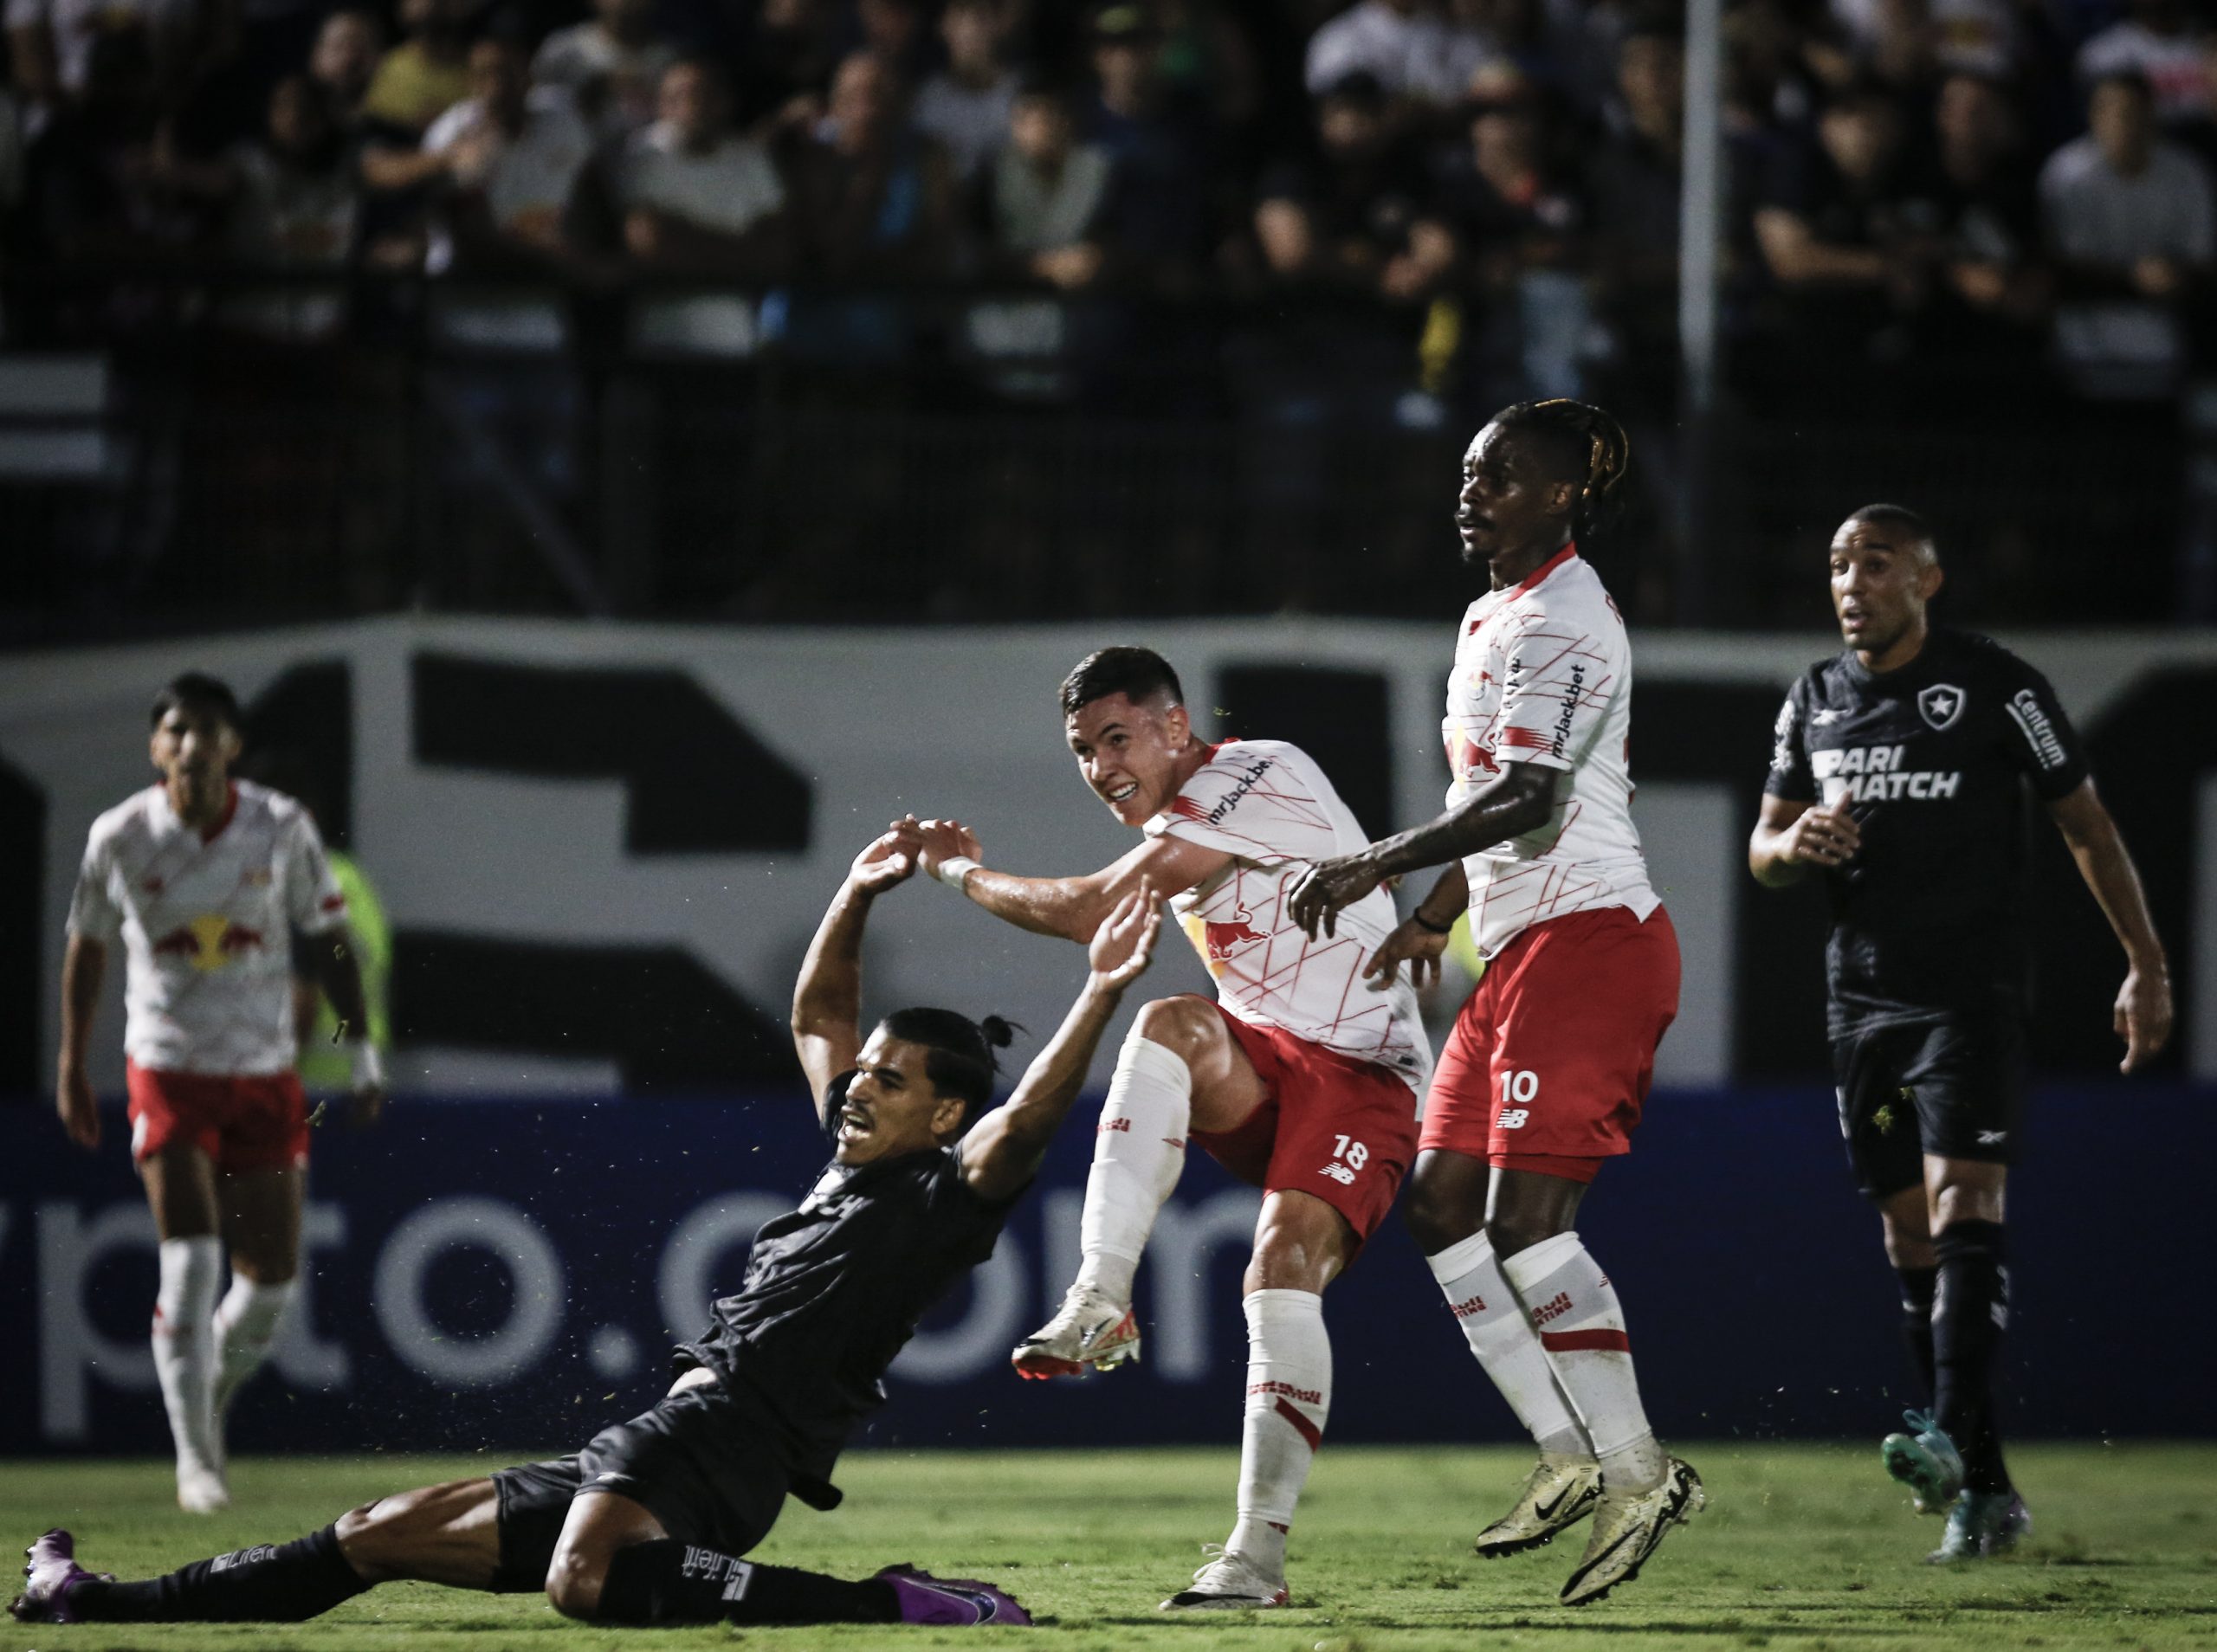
[1543,674]
[206,921]
[1268,806]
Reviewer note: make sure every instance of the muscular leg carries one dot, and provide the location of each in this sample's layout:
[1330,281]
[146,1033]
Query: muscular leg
[1908,1230]
[261,1212]
[1179,1071]
[1965,1199]
[1446,1212]
[615,1564]
[1580,1324]
[180,1183]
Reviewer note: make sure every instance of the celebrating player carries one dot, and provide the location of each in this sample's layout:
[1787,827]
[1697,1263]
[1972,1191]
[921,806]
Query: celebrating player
[647,1524]
[205,878]
[1899,773]
[1546,1072]
[1294,1080]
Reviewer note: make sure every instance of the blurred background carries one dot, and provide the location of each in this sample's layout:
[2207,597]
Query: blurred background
[624,454]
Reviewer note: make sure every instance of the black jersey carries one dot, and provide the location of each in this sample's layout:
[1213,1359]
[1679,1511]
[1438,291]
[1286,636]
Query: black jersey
[1934,760]
[833,1292]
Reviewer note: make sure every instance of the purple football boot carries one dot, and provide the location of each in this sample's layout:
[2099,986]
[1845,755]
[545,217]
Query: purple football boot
[53,1575]
[926,1599]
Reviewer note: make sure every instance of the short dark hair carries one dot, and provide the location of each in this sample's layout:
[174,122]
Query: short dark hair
[959,1057]
[198,691]
[1900,516]
[1137,674]
[1578,442]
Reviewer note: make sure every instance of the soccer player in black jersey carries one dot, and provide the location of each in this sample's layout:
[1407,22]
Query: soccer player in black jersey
[1899,773]
[647,1524]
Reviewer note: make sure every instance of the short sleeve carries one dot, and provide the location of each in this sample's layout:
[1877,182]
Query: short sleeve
[835,1099]
[2041,740]
[93,911]
[313,900]
[1249,802]
[1557,690]
[1790,776]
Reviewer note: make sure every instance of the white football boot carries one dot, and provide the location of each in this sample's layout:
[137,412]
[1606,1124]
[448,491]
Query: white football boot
[1230,1583]
[1090,1330]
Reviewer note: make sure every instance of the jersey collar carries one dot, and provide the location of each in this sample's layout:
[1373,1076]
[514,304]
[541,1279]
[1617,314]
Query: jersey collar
[1541,573]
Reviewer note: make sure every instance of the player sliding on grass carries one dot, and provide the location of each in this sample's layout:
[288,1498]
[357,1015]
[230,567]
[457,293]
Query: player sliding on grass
[1546,1072]
[1297,1080]
[647,1524]
[1899,773]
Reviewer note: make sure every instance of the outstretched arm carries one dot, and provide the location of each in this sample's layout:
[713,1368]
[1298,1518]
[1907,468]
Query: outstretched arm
[1003,1148]
[1515,803]
[2142,1015]
[1073,908]
[828,998]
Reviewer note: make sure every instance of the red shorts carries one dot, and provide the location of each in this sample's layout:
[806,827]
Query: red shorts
[1550,1062]
[252,1123]
[1330,1124]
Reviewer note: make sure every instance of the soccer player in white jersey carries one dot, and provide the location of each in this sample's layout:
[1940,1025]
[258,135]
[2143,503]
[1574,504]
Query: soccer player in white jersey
[204,878]
[1297,1080]
[1546,1072]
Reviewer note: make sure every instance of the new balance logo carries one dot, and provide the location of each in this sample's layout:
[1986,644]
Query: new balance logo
[1554,1309]
[1512,1117]
[1339,1173]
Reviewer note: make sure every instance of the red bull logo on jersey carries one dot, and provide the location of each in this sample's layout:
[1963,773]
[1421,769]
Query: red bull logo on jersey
[209,942]
[1224,939]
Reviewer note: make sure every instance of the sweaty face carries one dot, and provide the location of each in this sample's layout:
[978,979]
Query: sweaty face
[891,1106]
[1128,751]
[1881,579]
[194,747]
[1508,503]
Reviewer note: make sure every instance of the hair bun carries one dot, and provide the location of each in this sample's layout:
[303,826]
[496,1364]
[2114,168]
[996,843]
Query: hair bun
[998,1033]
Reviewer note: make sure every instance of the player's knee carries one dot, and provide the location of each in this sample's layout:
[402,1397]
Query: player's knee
[1182,1024]
[1435,1217]
[1513,1233]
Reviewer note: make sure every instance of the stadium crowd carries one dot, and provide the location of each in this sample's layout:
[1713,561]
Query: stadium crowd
[2000,181]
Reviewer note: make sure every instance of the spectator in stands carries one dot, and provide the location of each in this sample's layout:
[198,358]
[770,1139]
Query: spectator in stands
[1993,288]
[1342,215]
[784,61]
[1837,232]
[294,204]
[1517,228]
[1048,195]
[1163,148]
[965,107]
[50,43]
[696,196]
[2169,46]
[2132,225]
[874,198]
[344,61]
[896,31]
[1407,45]
[613,64]
[428,72]
[1634,187]
[1898,41]
[511,157]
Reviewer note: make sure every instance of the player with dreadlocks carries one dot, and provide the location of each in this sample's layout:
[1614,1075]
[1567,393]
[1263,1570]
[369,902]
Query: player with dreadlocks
[1548,1065]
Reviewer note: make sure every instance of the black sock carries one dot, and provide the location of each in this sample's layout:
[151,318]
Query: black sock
[282,1582]
[1917,1286]
[1969,1316]
[668,1582]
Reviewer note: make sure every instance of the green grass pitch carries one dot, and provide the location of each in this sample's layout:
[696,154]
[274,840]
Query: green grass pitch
[1802,1546]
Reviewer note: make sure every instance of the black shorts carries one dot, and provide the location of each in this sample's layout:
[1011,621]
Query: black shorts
[1951,1085]
[708,1466]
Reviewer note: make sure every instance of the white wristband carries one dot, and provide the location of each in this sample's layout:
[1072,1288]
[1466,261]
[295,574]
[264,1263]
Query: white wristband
[950,873]
[369,1067]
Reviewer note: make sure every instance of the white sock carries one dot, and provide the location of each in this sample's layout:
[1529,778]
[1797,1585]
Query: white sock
[1582,1331]
[184,1345]
[1138,1151]
[1289,1396]
[1500,1333]
[246,1324]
